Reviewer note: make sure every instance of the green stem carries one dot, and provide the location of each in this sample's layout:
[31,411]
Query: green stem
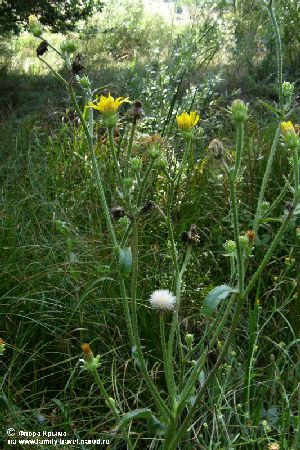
[111,404]
[235,221]
[296,168]
[239,148]
[278,53]
[165,354]
[129,148]
[114,156]
[185,424]
[190,383]
[151,386]
[96,171]
[265,179]
[144,181]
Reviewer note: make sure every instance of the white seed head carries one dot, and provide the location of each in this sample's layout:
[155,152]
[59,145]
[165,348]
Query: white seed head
[162,299]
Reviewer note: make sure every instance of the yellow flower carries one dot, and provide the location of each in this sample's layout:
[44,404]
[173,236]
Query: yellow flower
[109,105]
[187,121]
[287,127]
[290,135]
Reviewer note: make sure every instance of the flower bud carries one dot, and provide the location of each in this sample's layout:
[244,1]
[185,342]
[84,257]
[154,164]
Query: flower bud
[154,151]
[91,362]
[35,26]
[162,163]
[288,89]
[136,164]
[230,248]
[68,47]
[128,183]
[244,242]
[239,110]
[189,339]
[84,82]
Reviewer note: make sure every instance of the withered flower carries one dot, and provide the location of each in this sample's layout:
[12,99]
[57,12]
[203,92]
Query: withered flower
[42,48]
[191,236]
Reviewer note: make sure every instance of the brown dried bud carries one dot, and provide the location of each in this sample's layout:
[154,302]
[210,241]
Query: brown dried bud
[251,235]
[87,351]
[137,112]
[191,236]
[148,206]
[117,212]
[42,48]
[289,206]
[77,65]
[217,149]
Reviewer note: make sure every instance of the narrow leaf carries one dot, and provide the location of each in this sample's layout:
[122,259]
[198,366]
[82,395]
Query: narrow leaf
[142,413]
[125,260]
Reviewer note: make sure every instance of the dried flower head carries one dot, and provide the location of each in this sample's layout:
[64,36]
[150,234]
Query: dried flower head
[251,235]
[77,64]
[273,446]
[90,362]
[162,299]
[191,236]
[117,212]
[42,48]
[137,112]
[87,351]
[217,149]
[154,139]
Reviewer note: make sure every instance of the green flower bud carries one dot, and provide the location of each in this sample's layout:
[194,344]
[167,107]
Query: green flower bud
[244,241]
[292,140]
[154,152]
[264,207]
[162,163]
[84,82]
[35,26]
[230,248]
[189,338]
[124,222]
[239,110]
[128,183]
[68,47]
[288,89]
[136,164]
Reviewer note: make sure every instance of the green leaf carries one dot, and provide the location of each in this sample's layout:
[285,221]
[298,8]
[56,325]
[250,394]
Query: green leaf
[214,297]
[270,108]
[156,426]
[141,413]
[125,260]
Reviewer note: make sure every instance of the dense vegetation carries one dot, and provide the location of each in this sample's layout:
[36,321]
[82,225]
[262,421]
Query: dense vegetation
[60,274]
